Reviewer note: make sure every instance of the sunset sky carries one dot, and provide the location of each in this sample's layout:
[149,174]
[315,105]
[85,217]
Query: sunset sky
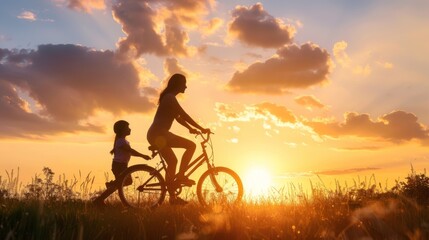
[292,89]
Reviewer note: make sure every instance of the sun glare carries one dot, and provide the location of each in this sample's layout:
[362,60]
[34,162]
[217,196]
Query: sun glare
[257,182]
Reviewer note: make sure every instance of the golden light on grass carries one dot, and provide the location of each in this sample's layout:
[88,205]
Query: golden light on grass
[257,182]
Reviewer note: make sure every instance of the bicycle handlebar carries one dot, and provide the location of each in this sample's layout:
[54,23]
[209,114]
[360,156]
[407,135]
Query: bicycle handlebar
[205,138]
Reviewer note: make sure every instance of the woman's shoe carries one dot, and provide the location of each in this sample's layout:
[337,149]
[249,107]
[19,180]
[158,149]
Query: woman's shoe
[185,181]
[178,201]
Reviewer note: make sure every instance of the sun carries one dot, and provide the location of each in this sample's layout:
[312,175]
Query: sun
[257,182]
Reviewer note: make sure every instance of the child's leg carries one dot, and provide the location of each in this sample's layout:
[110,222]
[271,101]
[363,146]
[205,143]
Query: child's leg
[105,194]
[117,169]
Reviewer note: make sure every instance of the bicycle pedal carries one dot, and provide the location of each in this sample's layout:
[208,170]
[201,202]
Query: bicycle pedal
[188,183]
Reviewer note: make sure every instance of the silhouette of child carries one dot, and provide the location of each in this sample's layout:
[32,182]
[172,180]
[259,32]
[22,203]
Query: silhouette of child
[122,153]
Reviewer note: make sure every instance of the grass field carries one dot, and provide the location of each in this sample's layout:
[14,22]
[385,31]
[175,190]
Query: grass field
[46,209]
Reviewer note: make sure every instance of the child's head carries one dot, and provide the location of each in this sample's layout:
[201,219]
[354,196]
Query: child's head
[121,128]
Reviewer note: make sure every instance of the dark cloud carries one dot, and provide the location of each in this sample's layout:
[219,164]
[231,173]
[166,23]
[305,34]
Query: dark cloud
[158,27]
[138,22]
[67,84]
[18,121]
[397,126]
[254,26]
[293,67]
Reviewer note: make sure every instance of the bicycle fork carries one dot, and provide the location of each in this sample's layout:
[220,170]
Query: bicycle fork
[215,182]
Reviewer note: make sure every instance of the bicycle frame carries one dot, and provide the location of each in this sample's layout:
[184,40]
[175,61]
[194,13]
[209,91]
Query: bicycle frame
[156,183]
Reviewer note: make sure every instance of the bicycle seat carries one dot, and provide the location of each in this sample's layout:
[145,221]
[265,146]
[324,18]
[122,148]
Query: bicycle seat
[154,150]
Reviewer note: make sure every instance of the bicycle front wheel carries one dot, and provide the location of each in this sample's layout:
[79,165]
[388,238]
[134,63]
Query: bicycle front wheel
[142,186]
[219,185]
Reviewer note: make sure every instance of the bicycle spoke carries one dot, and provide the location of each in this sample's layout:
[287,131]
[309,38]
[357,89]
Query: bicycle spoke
[146,190]
[219,186]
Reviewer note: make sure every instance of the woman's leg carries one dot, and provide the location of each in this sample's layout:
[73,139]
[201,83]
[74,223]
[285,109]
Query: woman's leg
[169,156]
[175,141]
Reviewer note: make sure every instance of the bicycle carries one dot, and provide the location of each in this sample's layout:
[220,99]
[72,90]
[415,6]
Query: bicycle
[143,186]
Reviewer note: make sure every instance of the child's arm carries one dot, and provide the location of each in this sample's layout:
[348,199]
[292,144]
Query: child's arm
[134,152]
[137,154]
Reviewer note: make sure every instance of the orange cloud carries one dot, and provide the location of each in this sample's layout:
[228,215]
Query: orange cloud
[266,111]
[397,126]
[340,54]
[158,27]
[227,114]
[27,15]
[70,83]
[309,102]
[281,113]
[82,5]
[346,171]
[172,66]
[256,27]
[212,26]
[293,67]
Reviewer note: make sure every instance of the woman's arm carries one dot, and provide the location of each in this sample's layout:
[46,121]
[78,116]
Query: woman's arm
[185,120]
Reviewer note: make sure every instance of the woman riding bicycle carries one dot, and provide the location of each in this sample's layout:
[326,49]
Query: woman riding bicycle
[159,135]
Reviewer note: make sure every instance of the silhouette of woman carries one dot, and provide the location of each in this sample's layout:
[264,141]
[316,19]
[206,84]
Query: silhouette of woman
[159,134]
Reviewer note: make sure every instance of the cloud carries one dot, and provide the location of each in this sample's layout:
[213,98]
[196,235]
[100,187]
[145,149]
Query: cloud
[359,148]
[340,54]
[397,126]
[172,66]
[346,171]
[227,114]
[3,38]
[65,85]
[309,102]
[256,27]
[17,121]
[212,26]
[158,27]
[82,5]
[293,67]
[364,69]
[280,113]
[327,172]
[267,111]
[27,15]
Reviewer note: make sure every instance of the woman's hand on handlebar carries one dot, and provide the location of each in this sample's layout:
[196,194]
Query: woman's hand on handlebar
[206,130]
[203,131]
[194,131]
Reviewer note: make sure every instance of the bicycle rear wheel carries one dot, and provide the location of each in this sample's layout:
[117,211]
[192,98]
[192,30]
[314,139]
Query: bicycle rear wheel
[142,186]
[219,185]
